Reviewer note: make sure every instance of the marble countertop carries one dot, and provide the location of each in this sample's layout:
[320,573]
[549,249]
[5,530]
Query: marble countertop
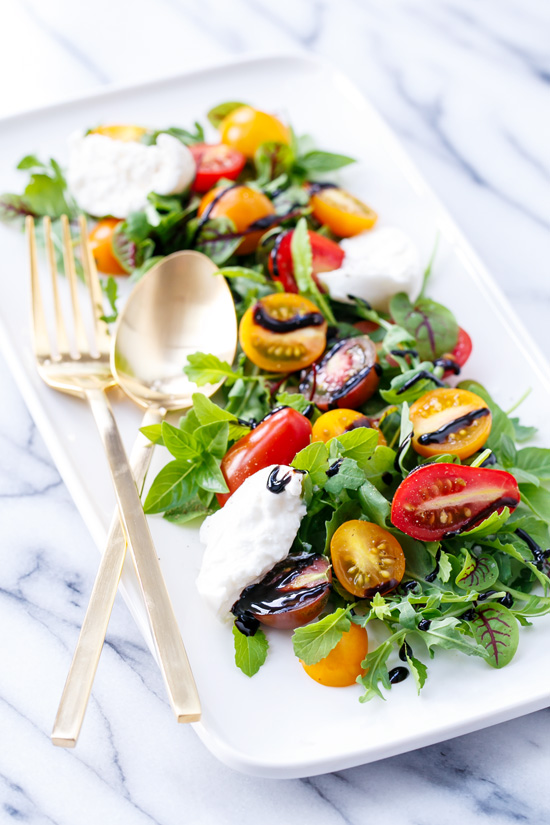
[466,86]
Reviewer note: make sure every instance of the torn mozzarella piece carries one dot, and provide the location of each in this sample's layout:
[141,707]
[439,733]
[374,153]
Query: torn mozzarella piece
[249,535]
[377,265]
[114,177]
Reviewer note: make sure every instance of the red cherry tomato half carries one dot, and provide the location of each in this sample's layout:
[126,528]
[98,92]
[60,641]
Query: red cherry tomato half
[214,162]
[441,499]
[275,440]
[327,255]
[346,376]
[463,348]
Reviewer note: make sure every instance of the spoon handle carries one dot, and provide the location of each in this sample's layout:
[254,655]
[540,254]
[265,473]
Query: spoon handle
[76,692]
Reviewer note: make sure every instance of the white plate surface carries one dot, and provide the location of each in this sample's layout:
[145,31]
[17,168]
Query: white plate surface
[280,723]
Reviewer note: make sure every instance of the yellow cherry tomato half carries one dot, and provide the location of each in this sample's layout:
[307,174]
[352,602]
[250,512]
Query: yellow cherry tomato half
[344,214]
[127,133]
[450,421]
[241,205]
[335,422]
[366,558]
[245,129]
[101,245]
[342,666]
[283,332]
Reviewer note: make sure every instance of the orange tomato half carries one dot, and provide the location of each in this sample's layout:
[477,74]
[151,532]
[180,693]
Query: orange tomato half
[101,245]
[342,666]
[335,422]
[243,206]
[344,214]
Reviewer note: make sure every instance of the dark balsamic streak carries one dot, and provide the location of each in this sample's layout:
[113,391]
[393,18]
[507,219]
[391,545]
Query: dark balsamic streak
[387,478]
[419,376]
[274,252]
[505,501]
[489,461]
[433,575]
[277,485]
[440,435]
[334,468]
[266,321]
[402,447]
[320,185]
[398,674]
[401,352]
[447,364]
[539,555]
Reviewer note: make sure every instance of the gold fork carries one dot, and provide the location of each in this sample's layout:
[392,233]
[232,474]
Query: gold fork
[85,372]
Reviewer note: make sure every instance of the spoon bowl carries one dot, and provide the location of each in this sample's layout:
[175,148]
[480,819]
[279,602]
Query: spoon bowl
[180,306]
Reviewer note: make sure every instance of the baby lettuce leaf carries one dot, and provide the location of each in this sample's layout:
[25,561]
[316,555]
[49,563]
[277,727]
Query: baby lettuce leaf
[434,326]
[250,651]
[219,112]
[478,572]
[496,629]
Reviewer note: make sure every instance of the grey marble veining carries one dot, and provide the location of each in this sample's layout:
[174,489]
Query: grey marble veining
[466,85]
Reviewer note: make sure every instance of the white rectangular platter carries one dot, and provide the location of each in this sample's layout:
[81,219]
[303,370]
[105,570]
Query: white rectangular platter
[280,723]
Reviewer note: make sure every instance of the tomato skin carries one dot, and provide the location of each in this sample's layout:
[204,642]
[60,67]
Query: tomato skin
[327,255]
[342,666]
[128,133]
[461,352]
[344,214]
[366,559]
[282,351]
[215,161]
[436,500]
[346,376]
[243,206]
[245,129]
[101,246]
[335,422]
[441,407]
[275,440]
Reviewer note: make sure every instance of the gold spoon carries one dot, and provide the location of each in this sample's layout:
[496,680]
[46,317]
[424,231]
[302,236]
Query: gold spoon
[179,307]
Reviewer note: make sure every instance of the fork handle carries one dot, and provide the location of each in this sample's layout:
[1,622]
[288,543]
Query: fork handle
[172,657]
[76,693]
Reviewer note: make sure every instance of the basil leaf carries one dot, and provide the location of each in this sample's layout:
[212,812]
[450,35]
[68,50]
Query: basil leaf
[314,460]
[208,475]
[523,433]
[191,510]
[379,467]
[535,460]
[219,112]
[314,642]
[182,445]
[203,368]
[208,413]
[213,438]
[250,651]
[500,423]
[358,444]
[495,628]
[153,432]
[317,162]
[170,488]
[348,477]
[293,399]
[434,326]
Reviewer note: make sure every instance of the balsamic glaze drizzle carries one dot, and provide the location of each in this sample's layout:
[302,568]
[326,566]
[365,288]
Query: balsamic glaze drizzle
[468,616]
[247,624]
[447,364]
[274,252]
[489,461]
[401,352]
[507,600]
[334,468]
[424,624]
[440,435]
[408,586]
[539,555]
[318,186]
[400,449]
[277,485]
[265,320]
[414,379]
[433,575]
[505,501]
[398,674]
[387,478]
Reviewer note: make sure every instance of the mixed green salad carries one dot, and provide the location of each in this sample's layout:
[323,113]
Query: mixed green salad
[423,511]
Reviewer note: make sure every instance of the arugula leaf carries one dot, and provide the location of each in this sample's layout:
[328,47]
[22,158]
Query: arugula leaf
[191,510]
[314,642]
[373,504]
[377,672]
[110,289]
[511,545]
[434,326]
[219,112]
[314,460]
[417,668]
[302,262]
[348,477]
[293,399]
[358,444]
[398,393]
[445,633]
[250,651]
[488,526]
[495,628]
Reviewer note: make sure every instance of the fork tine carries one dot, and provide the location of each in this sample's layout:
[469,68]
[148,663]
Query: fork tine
[68,260]
[92,281]
[60,329]
[40,331]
